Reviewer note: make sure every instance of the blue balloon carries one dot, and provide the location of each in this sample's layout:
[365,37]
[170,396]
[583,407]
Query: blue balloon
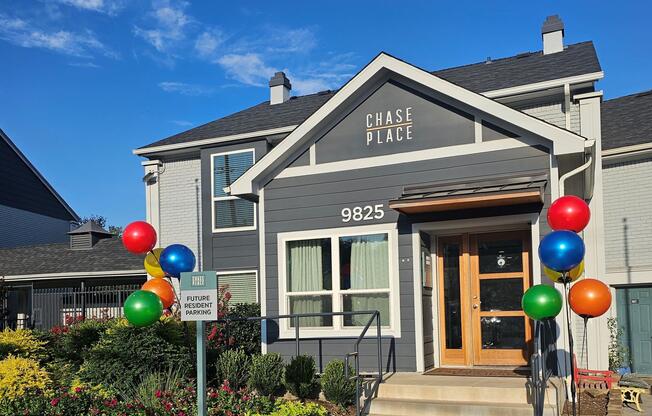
[561,250]
[176,259]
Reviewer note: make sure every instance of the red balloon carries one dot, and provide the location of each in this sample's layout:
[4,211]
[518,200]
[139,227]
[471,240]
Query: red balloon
[589,298]
[163,289]
[139,237]
[569,213]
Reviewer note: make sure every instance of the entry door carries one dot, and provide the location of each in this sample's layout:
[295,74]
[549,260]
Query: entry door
[482,278]
[635,317]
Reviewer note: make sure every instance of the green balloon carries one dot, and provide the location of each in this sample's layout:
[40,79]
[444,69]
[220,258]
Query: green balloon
[541,302]
[143,308]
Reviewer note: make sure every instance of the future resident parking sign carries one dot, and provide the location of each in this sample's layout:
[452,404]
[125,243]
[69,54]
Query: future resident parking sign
[198,297]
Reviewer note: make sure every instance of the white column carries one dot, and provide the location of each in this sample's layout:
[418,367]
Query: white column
[152,210]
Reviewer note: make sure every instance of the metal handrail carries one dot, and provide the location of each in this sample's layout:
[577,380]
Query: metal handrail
[540,371]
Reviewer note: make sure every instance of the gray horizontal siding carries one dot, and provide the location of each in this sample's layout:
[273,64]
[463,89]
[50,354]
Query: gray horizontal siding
[19,227]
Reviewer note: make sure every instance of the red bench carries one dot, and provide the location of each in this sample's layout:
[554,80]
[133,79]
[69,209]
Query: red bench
[593,379]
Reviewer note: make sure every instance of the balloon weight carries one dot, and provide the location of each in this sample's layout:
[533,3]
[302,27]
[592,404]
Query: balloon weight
[162,289]
[569,213]
[176,259]
[541,302]
[139,237]
[573,275]
[589,298]
[152,265]
[143,308]
[561,251]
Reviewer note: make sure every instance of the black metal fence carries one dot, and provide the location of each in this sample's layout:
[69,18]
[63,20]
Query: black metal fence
[60,306]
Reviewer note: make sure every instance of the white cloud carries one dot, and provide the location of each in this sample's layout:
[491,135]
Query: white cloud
[185,88]
[170,23]
[110,7]
[81,44]
[304,86]
[182,123]
[84,64]
[208,42]
[247,68]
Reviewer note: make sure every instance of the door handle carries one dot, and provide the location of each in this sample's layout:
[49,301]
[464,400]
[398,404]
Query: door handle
[476,306]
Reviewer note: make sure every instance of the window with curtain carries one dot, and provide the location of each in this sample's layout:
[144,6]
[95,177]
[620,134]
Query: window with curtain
[243,286]
[231,213]
[363,284]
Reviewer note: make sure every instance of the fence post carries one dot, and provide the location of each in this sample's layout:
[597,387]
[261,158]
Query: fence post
[83,300]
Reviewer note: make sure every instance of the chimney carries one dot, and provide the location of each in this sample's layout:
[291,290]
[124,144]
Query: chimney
[552,32]
[279,88]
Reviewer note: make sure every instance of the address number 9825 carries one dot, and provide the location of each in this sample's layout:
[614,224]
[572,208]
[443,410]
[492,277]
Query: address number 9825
[365,213]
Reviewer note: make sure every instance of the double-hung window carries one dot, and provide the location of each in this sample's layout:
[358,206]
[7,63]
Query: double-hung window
[231,213]
[343,271]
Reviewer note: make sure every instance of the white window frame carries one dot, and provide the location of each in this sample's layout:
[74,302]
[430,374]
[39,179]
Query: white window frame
[228,197]
[229,272]
[338,329]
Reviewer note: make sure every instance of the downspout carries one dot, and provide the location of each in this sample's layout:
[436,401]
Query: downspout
[577,170]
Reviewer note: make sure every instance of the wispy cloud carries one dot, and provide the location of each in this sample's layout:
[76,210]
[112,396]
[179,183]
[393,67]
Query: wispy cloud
[84,64]
[182,123]
[247,68]
[168,25]
[110,7]
[80,44]
[208,42]
[184,88]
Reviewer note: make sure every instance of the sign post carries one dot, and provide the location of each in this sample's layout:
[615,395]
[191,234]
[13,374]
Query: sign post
[199,301]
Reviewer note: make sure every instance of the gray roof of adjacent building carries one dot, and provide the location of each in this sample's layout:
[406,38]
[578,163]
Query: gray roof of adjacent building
[627,121]
[106,255]
[522,69]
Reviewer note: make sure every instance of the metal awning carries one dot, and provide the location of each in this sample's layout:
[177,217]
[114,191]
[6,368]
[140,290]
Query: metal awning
[478,193]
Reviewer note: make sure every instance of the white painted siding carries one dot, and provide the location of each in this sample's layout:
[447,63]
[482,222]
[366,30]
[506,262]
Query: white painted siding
[627,202]
[19,228]
[180,204]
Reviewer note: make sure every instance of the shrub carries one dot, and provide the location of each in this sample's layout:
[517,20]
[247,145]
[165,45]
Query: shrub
[148,390]
[73,344]
[266,374]
[300,377]
[336,387]
[245,333]
[31,403]
[19,376]
[21,342]
[124,353]
[228,402]
[288,408]
[233,366]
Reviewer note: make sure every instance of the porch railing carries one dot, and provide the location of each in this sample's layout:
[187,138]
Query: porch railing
[543,362]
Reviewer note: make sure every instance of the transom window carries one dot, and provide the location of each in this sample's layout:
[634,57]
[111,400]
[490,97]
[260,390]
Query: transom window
[344,272]
[231,213]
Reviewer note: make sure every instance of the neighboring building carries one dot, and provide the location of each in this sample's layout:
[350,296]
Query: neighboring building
[416,193]
[31,211]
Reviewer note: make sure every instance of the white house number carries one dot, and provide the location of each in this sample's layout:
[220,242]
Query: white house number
[366,213]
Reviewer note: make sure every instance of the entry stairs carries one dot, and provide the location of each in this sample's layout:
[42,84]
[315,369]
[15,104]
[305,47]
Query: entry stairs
[412,394]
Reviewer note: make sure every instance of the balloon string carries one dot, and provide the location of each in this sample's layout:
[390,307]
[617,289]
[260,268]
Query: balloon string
[570,342]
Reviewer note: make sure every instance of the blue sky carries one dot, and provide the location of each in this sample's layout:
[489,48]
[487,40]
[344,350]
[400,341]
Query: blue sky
[83,82]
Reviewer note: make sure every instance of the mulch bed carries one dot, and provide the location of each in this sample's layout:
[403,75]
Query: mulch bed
[481,372]
[589,403]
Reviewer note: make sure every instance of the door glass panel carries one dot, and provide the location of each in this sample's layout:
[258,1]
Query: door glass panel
[500,256]
[503,332]
[501,294]
[452,307]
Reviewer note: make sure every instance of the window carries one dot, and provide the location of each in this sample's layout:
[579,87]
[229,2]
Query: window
[346,271]
[242,285]
[231,213]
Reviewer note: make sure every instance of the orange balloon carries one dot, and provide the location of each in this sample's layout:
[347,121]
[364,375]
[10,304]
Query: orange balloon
[589,298]
[161,288]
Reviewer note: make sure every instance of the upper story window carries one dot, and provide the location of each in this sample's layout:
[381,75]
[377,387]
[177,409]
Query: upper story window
[231,213]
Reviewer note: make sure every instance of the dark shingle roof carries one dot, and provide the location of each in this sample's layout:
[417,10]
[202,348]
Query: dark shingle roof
[502,73]
[107,255]
[627,121]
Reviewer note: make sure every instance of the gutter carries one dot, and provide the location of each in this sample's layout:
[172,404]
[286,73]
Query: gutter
[590,145]
[74,275]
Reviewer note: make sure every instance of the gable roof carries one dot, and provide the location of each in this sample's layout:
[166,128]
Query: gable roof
[627,121]
[106,255]
[519,70]
[564,141]
[24,187]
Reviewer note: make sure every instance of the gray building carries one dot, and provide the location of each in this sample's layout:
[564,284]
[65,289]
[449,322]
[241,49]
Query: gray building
[421,194]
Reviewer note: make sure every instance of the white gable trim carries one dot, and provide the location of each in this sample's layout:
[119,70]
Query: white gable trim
[564,142]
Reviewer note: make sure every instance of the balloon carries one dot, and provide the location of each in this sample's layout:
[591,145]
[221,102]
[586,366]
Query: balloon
[541,302]
[569,213]
[152,266]
[589,298]
[162,289]
[557,277]
[561,250]
[143,308]
[139,237]
[176,259]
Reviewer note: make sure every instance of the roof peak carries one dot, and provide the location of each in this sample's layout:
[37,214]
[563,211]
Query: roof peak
[89,227]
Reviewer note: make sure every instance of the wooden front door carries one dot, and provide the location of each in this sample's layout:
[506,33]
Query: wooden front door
[482,278]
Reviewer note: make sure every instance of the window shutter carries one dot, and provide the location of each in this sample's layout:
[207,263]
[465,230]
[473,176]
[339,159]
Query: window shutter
[242,286]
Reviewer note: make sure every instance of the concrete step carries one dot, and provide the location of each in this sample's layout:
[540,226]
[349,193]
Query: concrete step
[411,407]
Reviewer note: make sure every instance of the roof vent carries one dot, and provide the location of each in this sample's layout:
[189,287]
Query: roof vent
[552,32]
[279,88]
[87,235]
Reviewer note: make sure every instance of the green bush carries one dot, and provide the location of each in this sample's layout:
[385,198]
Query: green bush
[300,377]
[266,374]
[32,403]
[79,338]
[233,367]
[125,353]
[246,334]
[335,386]
[149,388]
[288,408]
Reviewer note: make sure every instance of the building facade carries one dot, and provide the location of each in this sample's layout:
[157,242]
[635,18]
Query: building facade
[419,194]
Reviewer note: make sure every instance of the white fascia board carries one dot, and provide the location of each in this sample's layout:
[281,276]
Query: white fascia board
[214,140]
[564,142]
[544,85]
[74,275]
[644,147]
